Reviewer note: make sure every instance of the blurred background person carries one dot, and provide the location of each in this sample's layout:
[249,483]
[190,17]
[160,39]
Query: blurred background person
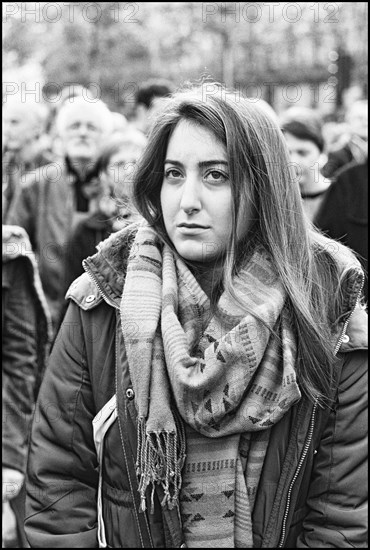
[113,208]
[25,144]
[26,333]
[116,166]
[355,138]
[148,102]
[67,95]
[336,135]
[338,206]
[344,212]
[120,123]
[303,133]
[57,196]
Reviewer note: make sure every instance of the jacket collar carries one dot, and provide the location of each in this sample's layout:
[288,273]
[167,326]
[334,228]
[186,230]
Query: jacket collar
[108,266]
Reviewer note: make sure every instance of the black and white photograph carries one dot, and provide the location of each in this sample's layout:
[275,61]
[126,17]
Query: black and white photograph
[185,275]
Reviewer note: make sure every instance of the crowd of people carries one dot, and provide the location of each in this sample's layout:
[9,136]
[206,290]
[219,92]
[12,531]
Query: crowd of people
[184,309]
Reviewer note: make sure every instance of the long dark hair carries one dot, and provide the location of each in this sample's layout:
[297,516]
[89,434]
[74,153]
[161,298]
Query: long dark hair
[260,176]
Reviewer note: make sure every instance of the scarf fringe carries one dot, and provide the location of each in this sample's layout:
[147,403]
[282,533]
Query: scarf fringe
[160,458]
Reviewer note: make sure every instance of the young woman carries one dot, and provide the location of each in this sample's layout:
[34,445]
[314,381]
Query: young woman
[208,379]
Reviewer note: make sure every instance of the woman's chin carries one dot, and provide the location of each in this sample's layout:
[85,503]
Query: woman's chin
[198,251]
[191,256]
[198,258]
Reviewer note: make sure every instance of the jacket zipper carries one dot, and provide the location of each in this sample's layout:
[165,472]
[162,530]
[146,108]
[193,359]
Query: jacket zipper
[304,453]
[310,432]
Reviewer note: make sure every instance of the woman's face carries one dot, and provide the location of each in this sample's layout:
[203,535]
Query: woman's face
[196,195]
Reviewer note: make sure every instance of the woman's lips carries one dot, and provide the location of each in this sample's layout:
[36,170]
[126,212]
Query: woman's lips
[191,229]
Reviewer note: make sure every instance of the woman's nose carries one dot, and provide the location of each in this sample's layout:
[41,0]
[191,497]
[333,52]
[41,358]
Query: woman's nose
[191,199]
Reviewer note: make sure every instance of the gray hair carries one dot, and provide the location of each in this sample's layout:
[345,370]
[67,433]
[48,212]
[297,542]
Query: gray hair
[99,107]
[30,109]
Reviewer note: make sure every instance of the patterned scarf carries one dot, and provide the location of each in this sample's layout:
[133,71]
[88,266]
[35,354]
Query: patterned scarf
[231,378]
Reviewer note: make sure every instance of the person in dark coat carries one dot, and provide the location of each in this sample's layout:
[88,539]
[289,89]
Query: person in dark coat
[26,334]
[344,212]
[210,372]
[113,209]
[56,197]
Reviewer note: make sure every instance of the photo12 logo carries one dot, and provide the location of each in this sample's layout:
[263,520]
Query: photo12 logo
[52,12]
[252,12]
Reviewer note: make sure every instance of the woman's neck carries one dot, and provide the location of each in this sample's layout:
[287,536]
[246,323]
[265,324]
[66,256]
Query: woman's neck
[208,277]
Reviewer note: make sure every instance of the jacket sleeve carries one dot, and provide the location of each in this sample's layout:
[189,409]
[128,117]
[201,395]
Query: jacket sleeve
[62,475]
[337,498]
[19,357]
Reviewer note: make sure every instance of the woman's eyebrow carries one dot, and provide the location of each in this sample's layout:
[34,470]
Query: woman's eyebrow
[174,162]
[206,163]
[202,164]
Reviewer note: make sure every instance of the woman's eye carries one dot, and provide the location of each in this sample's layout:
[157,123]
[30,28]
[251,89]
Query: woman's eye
[172,173]
[215,176]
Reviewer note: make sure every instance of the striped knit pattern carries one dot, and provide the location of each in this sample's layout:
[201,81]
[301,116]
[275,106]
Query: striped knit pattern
[232,378]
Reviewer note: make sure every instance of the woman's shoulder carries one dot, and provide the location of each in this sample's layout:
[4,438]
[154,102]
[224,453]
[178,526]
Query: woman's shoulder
[84,292]
[356,337]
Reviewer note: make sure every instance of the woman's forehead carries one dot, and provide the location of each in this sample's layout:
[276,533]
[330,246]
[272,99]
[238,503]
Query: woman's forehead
[195,139]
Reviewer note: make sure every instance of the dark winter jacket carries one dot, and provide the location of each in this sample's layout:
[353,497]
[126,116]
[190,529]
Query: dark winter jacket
[26,334]
[312,492]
